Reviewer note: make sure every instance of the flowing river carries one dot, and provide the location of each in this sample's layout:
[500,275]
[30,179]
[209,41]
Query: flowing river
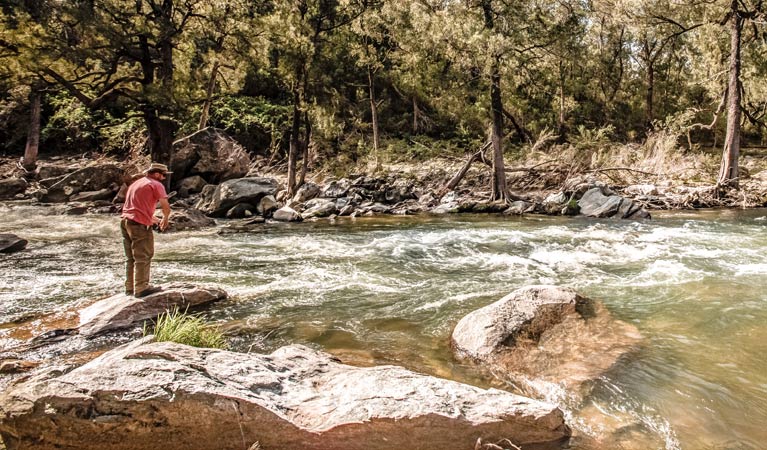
[389,291]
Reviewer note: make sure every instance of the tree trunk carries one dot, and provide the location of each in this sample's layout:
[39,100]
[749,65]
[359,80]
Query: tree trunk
[373,115]
[161,131]
[208,97]
[728,173]
[305,148]
[33,134]
[561,125]
[649,113]
[415,115]
[499,190]
[295,144]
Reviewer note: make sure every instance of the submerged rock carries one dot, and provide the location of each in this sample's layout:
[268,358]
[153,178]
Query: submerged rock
[547,333]
[10,243]
[169,396]
[90,196]
[189,219]
[121,311]
[242,225]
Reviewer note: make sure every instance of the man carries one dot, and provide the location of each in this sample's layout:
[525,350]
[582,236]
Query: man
[136,225]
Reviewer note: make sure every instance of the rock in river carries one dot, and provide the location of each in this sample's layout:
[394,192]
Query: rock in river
[546,333]
[121,311]
[216,201]
[168,396]
[10,243]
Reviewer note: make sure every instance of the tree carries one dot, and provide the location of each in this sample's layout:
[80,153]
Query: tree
[728,172]
[23,52]
[113,51]
[300,28]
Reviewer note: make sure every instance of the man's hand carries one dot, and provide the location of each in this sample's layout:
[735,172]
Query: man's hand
[165,213]
[155,220]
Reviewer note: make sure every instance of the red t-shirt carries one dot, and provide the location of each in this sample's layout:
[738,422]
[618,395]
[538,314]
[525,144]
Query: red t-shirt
[141,200]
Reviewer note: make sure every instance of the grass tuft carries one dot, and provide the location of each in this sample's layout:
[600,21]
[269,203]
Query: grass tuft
[189,329]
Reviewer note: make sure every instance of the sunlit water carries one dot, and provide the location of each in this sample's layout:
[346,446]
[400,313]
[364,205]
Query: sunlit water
[390,290]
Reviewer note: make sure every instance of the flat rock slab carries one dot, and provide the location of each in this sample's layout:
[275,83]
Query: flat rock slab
[10,243]
[547,333]
[168,396]
[120,311]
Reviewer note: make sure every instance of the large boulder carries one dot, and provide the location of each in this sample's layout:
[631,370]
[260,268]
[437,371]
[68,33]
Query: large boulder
[399,191]
[449,203]
[319,207]
[211,154]
[167,396]
[307,191]
[241,211]
[547,333]
[9,187]
[120,311]
[10,243]
[337,188]
[287,214]
[53,169]
[595,204]
[191,185]
[87,179]
[216,201]
[267,206]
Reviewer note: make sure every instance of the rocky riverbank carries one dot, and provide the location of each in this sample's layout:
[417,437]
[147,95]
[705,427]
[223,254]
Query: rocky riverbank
[214,178]
[146,395]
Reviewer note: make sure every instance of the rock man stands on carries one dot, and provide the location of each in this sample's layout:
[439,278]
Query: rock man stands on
[136,225]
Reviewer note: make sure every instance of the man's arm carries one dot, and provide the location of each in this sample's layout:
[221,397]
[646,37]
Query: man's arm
[165,214]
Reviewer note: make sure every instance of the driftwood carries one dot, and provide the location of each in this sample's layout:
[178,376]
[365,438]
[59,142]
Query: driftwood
[608,169]
[479,154]
[532,168]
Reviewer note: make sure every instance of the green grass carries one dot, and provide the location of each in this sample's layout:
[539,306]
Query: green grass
[184,328]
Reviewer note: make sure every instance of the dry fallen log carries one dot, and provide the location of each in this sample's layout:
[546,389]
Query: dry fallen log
[461,173]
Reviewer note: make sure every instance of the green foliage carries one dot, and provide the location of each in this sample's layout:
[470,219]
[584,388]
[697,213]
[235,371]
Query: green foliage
[122,136]
[567,68]
[187,329]
[588,138]
[70,126]
[239,114]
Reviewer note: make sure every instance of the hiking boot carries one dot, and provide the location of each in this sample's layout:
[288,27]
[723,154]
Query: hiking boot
[148,291]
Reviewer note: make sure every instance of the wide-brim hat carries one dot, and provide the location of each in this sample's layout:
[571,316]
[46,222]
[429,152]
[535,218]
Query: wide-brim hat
[157,167]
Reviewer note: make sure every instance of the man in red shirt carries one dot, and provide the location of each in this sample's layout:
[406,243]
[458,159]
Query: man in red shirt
[136,225]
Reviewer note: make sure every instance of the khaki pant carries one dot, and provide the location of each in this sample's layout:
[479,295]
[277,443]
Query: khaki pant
[138,241]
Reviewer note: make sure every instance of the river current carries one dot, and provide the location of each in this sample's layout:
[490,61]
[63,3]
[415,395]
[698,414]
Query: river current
[389,291]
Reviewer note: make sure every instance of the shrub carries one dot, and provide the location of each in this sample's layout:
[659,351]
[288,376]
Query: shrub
[189,329]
